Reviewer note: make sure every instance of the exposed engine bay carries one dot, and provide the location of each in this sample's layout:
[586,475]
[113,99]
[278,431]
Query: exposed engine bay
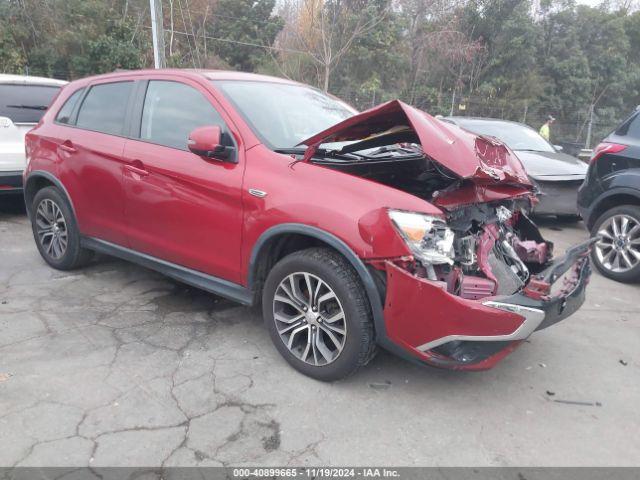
[480,250]
[401,168]
[496,249]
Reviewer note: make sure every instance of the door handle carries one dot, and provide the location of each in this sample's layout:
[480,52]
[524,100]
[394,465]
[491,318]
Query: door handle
[138,170]
[67,146]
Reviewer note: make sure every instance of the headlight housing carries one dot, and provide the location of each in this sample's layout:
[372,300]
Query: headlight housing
[428,237]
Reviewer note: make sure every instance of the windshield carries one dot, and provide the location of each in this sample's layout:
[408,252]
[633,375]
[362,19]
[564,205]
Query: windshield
[517,137]
[283,115]
[25,103]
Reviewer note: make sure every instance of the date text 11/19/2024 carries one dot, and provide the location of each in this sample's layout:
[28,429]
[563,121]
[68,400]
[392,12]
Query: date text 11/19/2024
[316,472]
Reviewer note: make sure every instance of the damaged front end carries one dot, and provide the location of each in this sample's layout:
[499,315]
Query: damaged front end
[480,278]
[492,284]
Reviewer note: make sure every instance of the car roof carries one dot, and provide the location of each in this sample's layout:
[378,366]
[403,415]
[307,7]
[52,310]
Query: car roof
[187,72]
[29,80]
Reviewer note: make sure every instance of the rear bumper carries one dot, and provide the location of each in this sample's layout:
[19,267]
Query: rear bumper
[10,182]
[444,330]
[558,197]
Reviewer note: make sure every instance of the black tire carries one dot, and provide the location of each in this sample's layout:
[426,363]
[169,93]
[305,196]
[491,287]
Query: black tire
[359,343]
[72,255]
[632,275]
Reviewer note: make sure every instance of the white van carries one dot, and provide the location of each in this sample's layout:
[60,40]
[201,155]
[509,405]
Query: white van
[23,101]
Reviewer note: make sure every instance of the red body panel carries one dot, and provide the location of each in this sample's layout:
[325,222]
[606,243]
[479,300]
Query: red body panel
[340,204]
[190,216]
[94,174]
[471,193]
[418,311]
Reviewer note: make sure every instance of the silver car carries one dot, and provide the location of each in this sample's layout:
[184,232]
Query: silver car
[23,101]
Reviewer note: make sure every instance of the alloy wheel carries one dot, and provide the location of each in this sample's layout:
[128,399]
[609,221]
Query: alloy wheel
[51,228]
[618,248]
[309,318]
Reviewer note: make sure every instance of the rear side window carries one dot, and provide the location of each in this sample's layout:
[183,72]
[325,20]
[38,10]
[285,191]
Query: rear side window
[25,103]
[64,115]
[634,128]
[172,110]
[105,107]
[630,128]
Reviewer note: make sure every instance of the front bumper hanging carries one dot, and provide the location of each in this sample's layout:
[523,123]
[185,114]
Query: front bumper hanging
[448,331]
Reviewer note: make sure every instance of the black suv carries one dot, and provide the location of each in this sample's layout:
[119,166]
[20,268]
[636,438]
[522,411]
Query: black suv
[609,202]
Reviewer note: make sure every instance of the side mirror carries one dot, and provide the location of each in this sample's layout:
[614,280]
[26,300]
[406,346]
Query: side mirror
[207,142]
[558,148]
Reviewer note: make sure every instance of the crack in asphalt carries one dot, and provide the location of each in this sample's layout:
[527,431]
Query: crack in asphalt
[85,318]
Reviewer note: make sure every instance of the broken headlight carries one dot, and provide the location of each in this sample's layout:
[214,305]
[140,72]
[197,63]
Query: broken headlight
[428,237]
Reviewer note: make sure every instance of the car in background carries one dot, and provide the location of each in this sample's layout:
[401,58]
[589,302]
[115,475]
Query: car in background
[556,174]
[23,101]
[609,202]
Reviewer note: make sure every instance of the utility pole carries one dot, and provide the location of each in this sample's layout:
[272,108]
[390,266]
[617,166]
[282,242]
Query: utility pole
[157,31]
[587,143]
[453,102]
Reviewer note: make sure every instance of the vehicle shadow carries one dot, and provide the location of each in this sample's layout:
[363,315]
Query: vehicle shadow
[555,223]
[12,205]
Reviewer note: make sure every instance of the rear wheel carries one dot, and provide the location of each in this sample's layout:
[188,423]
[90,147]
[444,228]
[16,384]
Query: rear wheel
[318,314]
[56,232]
[617,254]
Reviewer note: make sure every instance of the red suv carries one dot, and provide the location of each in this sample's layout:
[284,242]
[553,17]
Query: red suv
[387,228]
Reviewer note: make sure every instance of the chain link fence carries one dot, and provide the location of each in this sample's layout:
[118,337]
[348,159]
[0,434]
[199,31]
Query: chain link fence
[571,129]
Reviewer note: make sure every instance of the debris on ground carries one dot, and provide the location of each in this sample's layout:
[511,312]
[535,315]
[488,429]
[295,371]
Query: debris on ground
[550,393]
[543,365]
[380,385]
[623,362]
[4,377]
[577,402]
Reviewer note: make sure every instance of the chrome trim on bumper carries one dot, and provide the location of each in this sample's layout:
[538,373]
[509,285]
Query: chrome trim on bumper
[533,317]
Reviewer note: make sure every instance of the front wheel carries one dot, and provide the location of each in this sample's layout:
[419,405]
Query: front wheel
[318,314]
[617,253]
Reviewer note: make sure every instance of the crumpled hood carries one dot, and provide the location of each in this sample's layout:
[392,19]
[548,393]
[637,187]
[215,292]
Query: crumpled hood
[481,159]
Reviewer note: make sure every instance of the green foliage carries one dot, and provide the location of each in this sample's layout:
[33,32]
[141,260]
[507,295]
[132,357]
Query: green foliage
[245,23]
[478,57]
[69,38]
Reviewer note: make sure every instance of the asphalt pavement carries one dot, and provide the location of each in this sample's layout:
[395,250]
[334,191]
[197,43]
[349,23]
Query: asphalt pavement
[115,365]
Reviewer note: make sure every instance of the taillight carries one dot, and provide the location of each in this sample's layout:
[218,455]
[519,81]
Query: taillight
[606,147]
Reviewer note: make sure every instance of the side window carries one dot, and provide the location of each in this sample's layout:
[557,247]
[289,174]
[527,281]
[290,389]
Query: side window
[634,128]
[105,107]
[630,127]
[64,114]
[172,110]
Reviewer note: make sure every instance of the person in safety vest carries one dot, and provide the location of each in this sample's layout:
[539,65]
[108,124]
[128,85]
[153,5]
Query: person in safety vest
[545,130]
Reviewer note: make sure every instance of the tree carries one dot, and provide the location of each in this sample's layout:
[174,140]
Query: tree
[326,31]
[246,29]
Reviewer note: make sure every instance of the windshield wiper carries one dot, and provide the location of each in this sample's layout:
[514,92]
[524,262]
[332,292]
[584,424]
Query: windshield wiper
[290,151]
[30,107]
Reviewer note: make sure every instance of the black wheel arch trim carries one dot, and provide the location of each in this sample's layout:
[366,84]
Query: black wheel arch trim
[361,269]
[53,179]
[604,196]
